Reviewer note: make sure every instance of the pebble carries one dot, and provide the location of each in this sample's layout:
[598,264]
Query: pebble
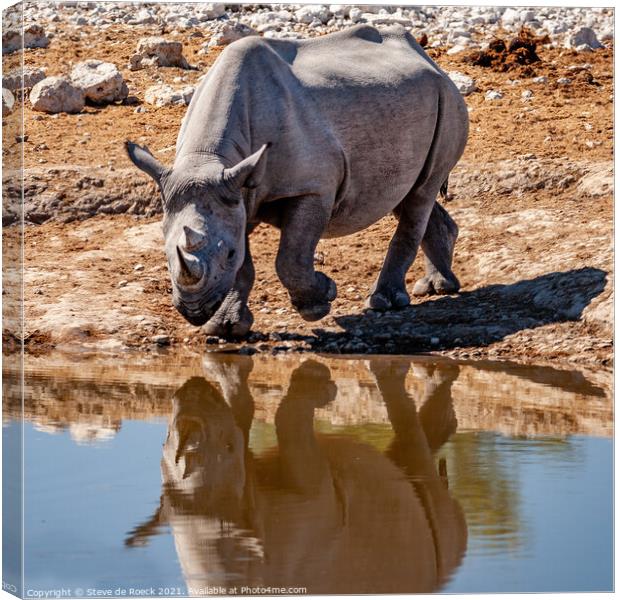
[159,52]
[8,102]
[493,95]
[165,95]
[161,340]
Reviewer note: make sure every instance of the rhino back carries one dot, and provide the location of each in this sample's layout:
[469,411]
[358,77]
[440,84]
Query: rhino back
[252,96]
[381,93]
[352,114]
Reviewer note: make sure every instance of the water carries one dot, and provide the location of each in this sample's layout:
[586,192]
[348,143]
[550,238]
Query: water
[229,474]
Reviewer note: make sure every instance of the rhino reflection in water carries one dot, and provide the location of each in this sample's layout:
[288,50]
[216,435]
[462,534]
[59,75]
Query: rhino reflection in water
[321,511]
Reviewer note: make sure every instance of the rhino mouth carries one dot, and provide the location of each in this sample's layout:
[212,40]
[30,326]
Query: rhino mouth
[199,316]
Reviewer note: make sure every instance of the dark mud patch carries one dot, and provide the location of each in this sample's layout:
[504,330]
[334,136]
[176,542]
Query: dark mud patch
[517,54]
[36,343]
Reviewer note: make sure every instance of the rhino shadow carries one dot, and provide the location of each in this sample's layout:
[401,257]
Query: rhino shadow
[322,511]
[475,318]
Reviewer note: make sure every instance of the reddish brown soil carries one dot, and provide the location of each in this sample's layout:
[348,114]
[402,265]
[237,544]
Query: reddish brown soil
[571,123]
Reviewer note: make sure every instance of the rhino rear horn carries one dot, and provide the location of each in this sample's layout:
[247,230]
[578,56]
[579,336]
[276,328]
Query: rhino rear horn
[145,161]
[250,171]
[192,240]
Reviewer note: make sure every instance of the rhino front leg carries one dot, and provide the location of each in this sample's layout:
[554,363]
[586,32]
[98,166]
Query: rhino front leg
[438,247]
[233,319]
[413,213]
[302,225]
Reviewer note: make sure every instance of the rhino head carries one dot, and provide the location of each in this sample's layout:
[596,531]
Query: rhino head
[204,225]
[204,452]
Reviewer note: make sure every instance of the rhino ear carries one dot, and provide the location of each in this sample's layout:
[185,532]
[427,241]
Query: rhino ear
[250,171]
[145,161]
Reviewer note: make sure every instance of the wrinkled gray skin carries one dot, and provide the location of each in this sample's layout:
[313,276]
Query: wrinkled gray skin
[320,138]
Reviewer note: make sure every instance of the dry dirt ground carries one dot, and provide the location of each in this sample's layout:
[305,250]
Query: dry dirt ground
[532,196]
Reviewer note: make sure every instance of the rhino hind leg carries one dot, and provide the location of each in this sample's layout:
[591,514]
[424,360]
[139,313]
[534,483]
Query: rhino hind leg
[234,319]
[438,247]
[413,213]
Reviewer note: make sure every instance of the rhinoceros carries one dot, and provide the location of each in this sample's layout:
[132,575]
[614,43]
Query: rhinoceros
[326,512]
[320,138]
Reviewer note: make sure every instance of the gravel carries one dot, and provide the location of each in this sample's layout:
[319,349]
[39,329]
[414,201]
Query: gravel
[458,27]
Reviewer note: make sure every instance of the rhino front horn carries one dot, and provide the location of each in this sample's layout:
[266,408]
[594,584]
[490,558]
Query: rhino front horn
[191,270]
[192,240]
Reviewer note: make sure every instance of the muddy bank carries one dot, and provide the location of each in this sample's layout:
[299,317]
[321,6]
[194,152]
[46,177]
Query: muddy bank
[537,286]
[67,193]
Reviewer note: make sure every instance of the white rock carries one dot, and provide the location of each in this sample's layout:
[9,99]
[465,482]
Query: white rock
[8,102]
[585,35]
[493,95]
[144,17]
[598,182]
[564,81]
[231,33]
[56,95]
[307,14]
[581,67]
[34,37]
[510,16]
[527,94]
[543,79]
[212,10]
[527,15]
[265,19]
[355,14]
[457,49]
[100,81]
[339,10]
[166,95]
[584,48]
[158,51]
[31,76]
[465,84]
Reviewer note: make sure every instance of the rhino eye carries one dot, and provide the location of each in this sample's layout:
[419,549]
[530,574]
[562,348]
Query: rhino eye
[230,201]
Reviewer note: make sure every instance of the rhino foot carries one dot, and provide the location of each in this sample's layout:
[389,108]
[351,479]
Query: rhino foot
[436,284]
[387,299]
[230,322]
[318,310]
